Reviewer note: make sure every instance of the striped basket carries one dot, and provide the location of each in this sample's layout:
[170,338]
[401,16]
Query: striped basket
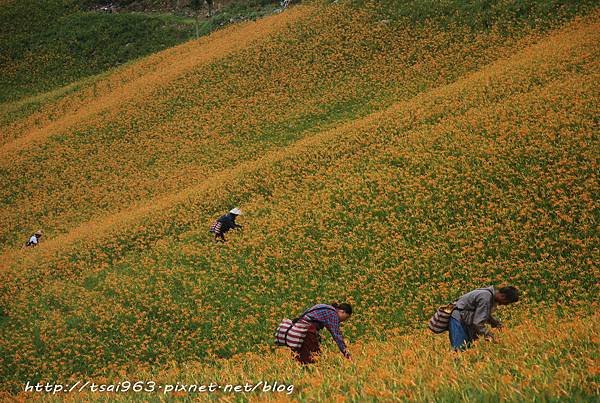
[216,227]
[291,334]
[440,321]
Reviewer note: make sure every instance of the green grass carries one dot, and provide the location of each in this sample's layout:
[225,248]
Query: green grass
[65,44]
[479,14]
[52,44]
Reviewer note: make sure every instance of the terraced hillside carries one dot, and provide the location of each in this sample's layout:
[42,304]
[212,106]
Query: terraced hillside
[387,162]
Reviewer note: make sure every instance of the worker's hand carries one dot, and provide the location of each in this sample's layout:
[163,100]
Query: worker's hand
[496,325]
[347,355]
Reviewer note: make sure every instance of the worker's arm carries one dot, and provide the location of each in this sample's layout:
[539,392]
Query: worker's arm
[332,323]
[482,316]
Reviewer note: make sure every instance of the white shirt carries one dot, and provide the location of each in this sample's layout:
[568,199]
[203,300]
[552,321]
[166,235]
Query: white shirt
[33,240]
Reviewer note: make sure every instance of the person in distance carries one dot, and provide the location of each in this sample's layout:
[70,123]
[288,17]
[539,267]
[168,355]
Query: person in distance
[224,223]
[34,240]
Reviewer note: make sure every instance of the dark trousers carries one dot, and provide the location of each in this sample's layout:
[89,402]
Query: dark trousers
[310,349]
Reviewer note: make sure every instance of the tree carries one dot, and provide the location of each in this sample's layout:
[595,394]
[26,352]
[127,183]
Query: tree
[196,5]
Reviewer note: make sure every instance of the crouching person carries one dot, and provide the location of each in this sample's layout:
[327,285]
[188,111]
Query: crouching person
[473,311]
[302,334]
[34,239]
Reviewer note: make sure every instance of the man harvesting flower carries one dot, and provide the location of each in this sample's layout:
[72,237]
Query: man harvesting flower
[474,310]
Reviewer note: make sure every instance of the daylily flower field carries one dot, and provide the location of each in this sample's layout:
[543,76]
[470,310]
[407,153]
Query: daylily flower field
[389,163]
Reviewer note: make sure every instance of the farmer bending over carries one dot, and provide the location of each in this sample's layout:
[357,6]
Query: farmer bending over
[225,223]
[474,310]
[34,239]
[320,316]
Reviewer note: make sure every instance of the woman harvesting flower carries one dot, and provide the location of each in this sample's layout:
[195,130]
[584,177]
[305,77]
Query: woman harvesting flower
[225,223]
[302,334]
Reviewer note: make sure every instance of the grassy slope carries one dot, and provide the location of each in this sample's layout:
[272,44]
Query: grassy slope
[472,174]
[275,92]
[50,44]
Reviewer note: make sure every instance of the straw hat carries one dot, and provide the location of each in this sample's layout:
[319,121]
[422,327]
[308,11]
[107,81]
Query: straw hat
[236,211]
[38,232]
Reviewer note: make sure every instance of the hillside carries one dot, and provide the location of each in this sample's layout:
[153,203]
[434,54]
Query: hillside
[47,45]
[382,159]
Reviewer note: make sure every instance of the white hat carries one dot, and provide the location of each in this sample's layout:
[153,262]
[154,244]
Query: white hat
[236,211]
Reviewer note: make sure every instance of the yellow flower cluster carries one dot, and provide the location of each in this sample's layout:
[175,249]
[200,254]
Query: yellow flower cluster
[545,359]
